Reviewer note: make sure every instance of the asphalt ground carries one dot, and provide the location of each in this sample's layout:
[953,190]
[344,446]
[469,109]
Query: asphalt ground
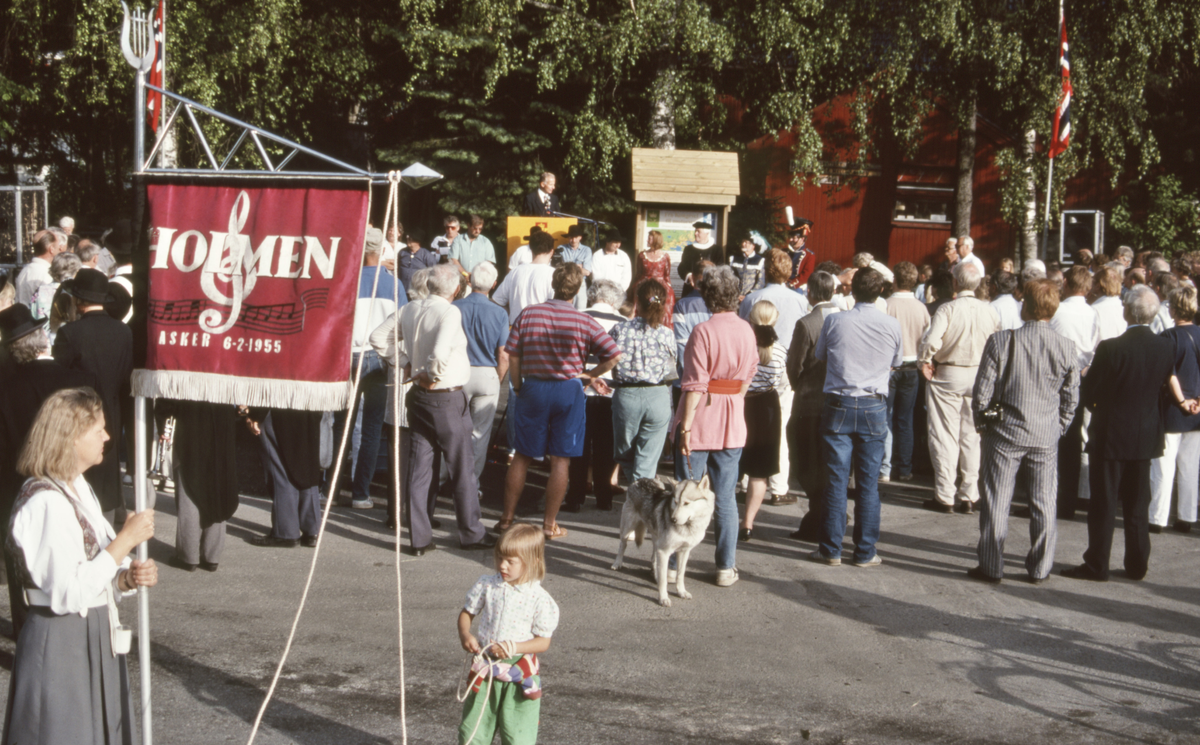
[908,652]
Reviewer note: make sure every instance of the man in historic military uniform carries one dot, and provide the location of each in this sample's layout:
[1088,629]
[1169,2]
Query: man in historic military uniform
[803,259]
[703,248]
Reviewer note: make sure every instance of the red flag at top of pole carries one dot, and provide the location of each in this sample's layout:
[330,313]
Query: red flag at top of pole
[154,98]
[1062,115]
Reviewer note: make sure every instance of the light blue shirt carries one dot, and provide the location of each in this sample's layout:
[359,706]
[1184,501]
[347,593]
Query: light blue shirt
[792,306]
[581,256]
[470,252]
[860,347]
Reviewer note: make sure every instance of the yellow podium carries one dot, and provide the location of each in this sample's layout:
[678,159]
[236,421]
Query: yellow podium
[518,228]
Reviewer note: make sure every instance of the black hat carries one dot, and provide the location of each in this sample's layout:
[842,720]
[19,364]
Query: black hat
[799,227]
[613,236]
[89,285]
[702,225]
[533,231]
[17,321]
[576,230]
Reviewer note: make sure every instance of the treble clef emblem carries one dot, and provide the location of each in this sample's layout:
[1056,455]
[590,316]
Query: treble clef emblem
[230,268]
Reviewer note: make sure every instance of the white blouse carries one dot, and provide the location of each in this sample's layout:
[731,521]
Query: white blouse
[507,612]
[47,531]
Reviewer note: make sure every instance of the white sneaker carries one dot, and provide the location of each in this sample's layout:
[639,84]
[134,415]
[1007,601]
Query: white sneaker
[671,576]
[362,504]
[127,480]
[726,577]
[874,561]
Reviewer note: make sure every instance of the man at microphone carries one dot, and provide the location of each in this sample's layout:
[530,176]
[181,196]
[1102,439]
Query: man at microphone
[541,202]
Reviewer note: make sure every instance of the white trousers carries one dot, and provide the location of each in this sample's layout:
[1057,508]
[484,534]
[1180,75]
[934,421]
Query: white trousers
[1182,452]
[780,483]
[953,441]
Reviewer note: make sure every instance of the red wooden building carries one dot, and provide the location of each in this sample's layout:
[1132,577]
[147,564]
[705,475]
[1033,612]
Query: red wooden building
[903,208]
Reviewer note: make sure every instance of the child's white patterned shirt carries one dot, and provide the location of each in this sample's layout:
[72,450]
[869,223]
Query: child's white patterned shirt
[507,612]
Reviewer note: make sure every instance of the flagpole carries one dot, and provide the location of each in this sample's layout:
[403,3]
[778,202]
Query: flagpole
[1054,142]
[162,29]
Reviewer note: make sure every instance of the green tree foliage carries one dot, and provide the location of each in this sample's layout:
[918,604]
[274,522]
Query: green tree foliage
[492,92]
[1165,218]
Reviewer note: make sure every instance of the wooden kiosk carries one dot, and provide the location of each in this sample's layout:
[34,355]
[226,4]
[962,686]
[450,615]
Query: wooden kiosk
[675,188]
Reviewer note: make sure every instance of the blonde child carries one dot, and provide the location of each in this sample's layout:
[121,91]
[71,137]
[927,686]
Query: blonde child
[516,619]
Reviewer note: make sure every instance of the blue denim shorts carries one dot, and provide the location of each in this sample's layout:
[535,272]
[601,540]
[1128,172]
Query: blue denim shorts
[550,418]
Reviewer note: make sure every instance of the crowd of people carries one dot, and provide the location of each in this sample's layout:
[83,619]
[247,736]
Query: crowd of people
[1056,386]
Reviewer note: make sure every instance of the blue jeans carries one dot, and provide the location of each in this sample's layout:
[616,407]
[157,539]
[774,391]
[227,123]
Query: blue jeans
[853,429]
[372,389]
[722,467]
[901,403]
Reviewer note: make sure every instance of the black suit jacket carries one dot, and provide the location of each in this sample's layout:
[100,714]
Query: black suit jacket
[1122,390]
[535,207]
[20,398]
[102,346]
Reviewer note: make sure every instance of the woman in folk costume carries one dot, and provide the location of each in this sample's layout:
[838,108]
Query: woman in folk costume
[70,682]
[655,263]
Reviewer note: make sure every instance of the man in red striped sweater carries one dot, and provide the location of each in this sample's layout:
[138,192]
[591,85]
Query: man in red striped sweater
[548,346]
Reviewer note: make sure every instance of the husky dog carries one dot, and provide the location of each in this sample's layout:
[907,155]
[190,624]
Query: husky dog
[676,515]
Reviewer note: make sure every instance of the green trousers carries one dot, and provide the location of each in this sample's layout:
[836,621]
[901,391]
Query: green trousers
[506,710]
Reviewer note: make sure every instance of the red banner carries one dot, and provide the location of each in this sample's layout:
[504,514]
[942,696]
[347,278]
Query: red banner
[252,293]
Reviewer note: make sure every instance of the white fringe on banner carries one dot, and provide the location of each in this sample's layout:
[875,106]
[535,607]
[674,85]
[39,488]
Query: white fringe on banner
[228,389]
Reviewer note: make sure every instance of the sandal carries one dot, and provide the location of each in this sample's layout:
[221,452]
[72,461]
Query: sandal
[554,532]
[500,527]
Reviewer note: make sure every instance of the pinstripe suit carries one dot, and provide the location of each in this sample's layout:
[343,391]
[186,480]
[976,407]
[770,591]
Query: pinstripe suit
[1038,398]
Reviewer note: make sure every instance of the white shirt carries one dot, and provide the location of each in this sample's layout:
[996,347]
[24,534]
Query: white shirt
[614,267]
[1162,320]
[1080,323]
[441,245]
[529,284]
[1112,316]
[1009,309]
[431,338]
[35,274]
[48,533]
[523,255]
[515,613]
[882,269]
[971,258]
[545,198]
[846,302]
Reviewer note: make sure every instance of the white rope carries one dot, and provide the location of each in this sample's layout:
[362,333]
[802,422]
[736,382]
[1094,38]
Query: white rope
[333,489]
[392,219]
[509,650]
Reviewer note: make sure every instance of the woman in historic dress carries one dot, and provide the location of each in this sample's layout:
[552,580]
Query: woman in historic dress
[70,682]
[655,263]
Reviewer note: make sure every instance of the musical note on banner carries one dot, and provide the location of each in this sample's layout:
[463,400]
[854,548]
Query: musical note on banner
[282,319]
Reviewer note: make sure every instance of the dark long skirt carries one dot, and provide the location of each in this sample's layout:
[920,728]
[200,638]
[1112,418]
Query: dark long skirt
[760,456]
[66,686]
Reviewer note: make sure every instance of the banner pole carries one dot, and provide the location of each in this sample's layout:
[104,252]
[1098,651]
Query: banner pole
[1046,221]
[143,551]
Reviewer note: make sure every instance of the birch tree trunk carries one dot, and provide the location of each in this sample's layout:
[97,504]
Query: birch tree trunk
[662,122]
[963,189]
[1029,238]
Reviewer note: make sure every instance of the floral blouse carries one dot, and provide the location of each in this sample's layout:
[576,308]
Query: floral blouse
[648,354]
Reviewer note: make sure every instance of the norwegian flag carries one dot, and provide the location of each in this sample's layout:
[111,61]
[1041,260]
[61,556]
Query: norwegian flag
[1062,115]
[154,98]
